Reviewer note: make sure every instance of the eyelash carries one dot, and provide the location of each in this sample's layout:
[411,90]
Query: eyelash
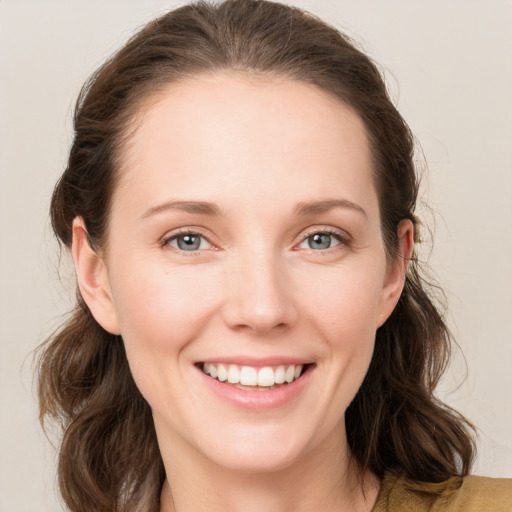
[165,243]
[343,239]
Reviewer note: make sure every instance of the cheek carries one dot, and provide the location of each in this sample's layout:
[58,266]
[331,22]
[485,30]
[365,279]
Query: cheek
[345,307]
[345,299]
[162,309]
[160,313]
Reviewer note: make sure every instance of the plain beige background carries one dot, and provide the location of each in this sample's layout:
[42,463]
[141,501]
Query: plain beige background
[449,67]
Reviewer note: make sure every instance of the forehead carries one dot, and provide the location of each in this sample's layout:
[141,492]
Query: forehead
[233,129]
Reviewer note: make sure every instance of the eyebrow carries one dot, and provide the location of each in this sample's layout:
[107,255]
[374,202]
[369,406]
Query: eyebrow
[302,209]
[319,207]
[199,207]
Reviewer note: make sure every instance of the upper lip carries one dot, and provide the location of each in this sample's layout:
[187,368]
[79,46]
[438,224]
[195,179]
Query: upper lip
[257,361]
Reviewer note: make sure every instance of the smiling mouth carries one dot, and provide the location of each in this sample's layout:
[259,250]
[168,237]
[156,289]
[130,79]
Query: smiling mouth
[251,378]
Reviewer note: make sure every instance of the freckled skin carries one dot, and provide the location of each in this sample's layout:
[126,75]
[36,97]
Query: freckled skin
[256,286]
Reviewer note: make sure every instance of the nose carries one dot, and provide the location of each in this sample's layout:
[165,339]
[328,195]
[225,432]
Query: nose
[259,294]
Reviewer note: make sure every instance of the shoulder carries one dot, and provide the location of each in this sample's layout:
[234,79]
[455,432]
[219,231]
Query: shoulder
[469,494]
[482,493]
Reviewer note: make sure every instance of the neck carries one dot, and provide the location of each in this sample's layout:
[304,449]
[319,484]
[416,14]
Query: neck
[324,479]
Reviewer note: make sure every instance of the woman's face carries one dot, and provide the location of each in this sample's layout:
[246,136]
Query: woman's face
[245,234]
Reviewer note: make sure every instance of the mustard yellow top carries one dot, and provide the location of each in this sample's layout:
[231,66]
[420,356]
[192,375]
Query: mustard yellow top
[473,494]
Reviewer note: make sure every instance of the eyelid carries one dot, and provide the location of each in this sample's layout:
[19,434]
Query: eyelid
[173,235]
[344,237]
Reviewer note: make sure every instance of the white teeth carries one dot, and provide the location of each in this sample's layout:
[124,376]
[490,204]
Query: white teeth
[265,377]
[248,376]
[280,375]
[233,374]
[222,373]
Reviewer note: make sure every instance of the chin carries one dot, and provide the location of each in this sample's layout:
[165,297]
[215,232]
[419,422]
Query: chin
[256,462]
[259,454]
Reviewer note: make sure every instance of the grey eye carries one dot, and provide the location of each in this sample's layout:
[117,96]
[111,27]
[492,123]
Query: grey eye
[188,242]
[320,241]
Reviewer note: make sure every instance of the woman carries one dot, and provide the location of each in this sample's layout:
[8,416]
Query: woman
[252,330]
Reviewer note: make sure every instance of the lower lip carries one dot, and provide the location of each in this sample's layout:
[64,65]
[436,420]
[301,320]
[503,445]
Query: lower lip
[258,400]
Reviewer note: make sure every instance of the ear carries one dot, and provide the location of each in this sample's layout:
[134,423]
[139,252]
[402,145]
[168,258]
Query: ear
[92,277]
[397,271]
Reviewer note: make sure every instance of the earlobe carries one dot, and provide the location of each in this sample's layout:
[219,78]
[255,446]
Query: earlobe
[92,278]
[395,278]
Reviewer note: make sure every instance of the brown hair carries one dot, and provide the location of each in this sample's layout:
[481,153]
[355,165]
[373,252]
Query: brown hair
[109,458]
